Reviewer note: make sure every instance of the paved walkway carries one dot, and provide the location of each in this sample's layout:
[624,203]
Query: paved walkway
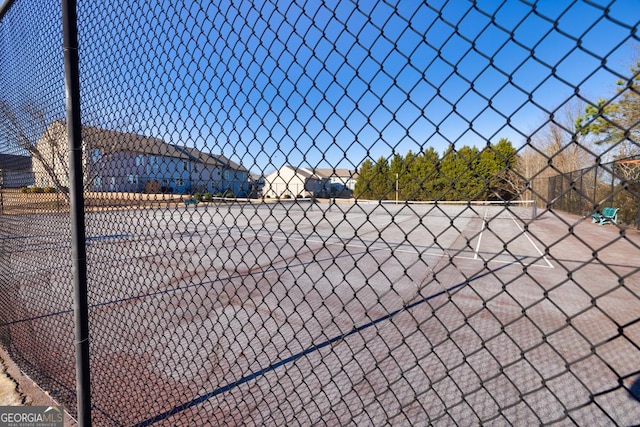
[17,389]
[9,395]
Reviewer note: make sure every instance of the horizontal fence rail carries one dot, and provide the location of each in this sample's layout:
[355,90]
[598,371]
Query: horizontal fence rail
[300,213]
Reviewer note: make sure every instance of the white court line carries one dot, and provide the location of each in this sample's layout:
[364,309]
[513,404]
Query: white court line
[531,241]
[439,255]
[484,223]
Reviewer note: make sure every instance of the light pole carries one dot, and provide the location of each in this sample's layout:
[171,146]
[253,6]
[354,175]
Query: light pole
[396,188]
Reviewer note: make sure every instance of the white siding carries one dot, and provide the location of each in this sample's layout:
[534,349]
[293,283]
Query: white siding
[285,182]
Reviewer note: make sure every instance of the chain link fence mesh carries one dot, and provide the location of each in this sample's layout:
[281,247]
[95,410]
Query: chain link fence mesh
[328,212]
[582,191]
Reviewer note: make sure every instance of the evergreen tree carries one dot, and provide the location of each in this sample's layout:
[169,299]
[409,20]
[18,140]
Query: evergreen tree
[428,169]
[381,183]
[362,189]
[450,170]
[470,184]
[409,182]
[464,174]
[496,165]
[616,122]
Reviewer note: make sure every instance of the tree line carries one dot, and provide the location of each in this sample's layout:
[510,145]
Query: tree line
[467,173]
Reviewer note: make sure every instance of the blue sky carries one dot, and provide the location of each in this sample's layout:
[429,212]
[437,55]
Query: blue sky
[328,84]
[31,63]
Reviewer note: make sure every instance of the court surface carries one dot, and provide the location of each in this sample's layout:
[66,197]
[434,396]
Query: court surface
[300,313]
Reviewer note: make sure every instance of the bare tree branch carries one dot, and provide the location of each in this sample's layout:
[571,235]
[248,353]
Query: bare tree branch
[19,129]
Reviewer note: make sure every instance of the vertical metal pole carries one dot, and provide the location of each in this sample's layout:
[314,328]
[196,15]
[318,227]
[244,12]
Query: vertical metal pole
[611,199]
[638,214]
[595,184]
[80,306]
[396,189]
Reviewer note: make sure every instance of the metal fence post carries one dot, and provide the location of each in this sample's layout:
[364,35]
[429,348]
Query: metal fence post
[81,308]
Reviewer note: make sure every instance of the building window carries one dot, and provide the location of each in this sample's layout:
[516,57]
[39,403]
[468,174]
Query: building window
[95,155]
[153,161]
[97,181]
[139,159]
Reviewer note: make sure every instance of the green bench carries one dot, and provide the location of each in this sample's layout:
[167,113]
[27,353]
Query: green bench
[608,215]
[190,201]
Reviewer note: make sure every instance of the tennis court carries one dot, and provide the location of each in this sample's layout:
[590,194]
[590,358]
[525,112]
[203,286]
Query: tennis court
[336,313]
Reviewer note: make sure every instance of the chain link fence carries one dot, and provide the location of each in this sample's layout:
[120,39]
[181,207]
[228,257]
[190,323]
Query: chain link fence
[584,191]
[327,212]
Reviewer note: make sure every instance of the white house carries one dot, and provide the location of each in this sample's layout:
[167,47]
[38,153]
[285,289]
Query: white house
[292,182]
[339,179]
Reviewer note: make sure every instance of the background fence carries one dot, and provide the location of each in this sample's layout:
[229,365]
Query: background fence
[582,191]
[240,309]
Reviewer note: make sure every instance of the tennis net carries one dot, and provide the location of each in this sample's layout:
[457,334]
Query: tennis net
[524,210]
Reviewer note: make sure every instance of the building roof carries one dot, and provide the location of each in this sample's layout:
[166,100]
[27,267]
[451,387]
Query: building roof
[322,173]
[305,173]
[210,159]
[114,141]
[337,172]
